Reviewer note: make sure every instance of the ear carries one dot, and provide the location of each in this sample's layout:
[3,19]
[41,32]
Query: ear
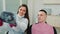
[46,15]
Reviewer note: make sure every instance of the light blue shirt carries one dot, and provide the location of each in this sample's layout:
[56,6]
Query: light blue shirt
[21,25]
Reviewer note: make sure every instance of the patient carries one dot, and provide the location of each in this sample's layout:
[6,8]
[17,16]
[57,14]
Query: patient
[42,27]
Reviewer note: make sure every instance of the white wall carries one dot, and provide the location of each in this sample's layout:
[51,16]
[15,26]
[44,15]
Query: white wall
[36,5]
[33,9]
[55,9]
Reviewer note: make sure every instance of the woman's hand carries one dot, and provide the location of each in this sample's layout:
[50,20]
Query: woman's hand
[12,25]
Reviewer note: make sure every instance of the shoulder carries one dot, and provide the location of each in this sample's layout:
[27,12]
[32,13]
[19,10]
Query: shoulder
[54,29]
[49,25]
[25,19]
[34,25]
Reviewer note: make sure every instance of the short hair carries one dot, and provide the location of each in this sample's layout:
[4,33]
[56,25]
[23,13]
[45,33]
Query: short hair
[42,10]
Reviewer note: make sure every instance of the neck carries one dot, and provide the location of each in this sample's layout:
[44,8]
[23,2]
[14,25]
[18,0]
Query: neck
[42,22]
[20,15]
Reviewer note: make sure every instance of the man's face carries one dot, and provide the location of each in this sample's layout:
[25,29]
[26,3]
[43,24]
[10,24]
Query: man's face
[41,16]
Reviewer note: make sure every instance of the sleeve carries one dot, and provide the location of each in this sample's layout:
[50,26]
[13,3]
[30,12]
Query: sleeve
[21,26]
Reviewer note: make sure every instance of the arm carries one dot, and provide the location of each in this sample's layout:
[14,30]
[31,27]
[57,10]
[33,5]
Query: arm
[21,26]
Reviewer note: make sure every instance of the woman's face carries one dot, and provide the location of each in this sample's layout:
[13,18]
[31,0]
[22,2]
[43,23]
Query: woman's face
[22,11]
[41,16]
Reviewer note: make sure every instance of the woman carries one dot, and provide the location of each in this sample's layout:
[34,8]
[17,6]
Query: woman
[22,20]
[42,27]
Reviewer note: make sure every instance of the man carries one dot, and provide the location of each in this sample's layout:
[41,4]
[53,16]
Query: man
[42,27]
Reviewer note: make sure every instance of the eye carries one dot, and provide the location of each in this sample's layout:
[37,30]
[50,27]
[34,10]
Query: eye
[24,10]
[41,15]
[20,9]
